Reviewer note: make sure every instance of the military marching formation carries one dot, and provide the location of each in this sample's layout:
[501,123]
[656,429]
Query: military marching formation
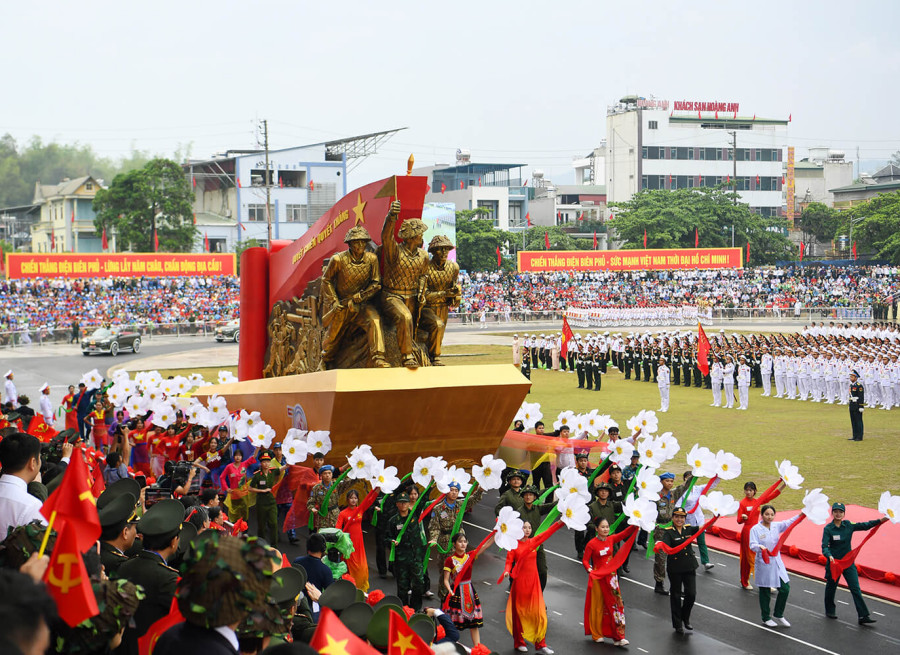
[646,314]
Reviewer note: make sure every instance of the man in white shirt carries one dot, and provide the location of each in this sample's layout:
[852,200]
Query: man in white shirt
[765,368]
[662,381]
[20,457]
[11,395]
[46,405]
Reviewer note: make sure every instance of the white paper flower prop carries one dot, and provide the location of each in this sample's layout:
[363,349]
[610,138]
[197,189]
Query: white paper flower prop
[423,470]
[606,422]
[169,388]
[816,506]
[318,441]
[261,435]
[566,418]
[573,511]
[644,422]
[668,445]
[509,529]
[728,465]
[490,474]
[163,415]
[294,446]
[702,462]
[620,453]
[571,482]
[217,404]
[197,414]
[92,379]
[640,512]
[529,414]
[719,504]
[195,379]
[181,384]
[136,405]
[385,478]
[592,423]
[245,423]
[648,484]
[889,506]
[789,473]
[116,396]
[360,458]
[453,474]
[651,455]
[227,377]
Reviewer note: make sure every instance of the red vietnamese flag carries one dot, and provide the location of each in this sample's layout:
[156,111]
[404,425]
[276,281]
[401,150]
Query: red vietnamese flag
[2,259]
[699,180]
[39,428]
[546,240]
[567,335]
[74,503]
[53,239]
[67,578]
[757,180]
[312,185]
[335,638]
[802,248]
[443,187]
[702,350]
[790,116]
[528,218]
[696,238]
[402,640]
[499,259]
[155,241]
[645,237]
[280,182]
[99,484]
[206,241]
[193,181]
[479,181]
[748,253]
[854,250]
[595,240]
[461,185]
[73,213]
[581,216]
[104,244]
[717,115]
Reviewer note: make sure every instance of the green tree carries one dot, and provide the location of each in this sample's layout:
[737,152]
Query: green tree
[477,241]
[818,222]
[155,198]
[878,229]
[670,219]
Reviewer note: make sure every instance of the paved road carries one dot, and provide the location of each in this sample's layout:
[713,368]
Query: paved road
[725,619]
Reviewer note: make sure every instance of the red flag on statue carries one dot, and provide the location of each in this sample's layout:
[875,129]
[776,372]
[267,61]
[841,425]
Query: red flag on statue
[566,336]
[645,237]
[547,240]
[67,578]
[702,350]
[74,503]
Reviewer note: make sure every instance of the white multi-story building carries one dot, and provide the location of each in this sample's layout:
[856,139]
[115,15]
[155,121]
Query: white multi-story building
[655,144]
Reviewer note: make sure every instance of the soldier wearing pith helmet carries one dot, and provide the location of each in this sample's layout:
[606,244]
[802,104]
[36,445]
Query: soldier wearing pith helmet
[441,293]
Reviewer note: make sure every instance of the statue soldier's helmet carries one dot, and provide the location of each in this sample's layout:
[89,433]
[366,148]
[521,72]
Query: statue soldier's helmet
[411,228]
[358,233]
[440,241]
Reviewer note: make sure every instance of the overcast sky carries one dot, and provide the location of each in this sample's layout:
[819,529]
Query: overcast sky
[525,82]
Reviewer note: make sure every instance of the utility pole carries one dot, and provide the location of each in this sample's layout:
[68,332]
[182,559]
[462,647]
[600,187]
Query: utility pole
[734,161]
[268,182]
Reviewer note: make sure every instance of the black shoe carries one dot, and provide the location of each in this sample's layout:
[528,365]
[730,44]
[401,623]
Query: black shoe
[831,616]
[688,627]
[625,569]
[660,589]
[679,630]
[866,620]
[580,556]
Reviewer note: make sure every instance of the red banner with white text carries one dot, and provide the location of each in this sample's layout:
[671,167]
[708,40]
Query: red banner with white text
[49,265]
[629,260]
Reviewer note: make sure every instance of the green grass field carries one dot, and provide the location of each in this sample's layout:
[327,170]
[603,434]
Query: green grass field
[812,435]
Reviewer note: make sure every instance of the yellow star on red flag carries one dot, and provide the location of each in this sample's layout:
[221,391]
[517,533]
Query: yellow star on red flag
[358,209]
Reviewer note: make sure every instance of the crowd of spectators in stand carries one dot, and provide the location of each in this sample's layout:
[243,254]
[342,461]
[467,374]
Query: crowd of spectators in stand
[724,288]
[55,304]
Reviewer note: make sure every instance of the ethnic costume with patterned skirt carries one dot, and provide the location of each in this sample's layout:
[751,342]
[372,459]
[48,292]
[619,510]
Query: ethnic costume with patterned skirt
[464,606]
[604,610]
[526,613]
[350,521]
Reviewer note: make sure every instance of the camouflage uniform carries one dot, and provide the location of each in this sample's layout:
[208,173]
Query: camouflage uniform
[404,273]
[440,527]
[408,556]
[317,497]
[358,281]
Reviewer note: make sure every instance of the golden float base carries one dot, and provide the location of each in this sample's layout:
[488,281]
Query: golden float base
[460,412]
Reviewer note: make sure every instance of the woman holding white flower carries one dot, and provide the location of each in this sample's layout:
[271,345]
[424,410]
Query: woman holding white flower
[464,606]
[526,613]
[770,574]
[350,521]
[604,610]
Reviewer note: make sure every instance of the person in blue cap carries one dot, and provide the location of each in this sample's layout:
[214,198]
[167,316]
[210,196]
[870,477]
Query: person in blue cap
[320,491]
[857,402]
[668,496]
[836,543]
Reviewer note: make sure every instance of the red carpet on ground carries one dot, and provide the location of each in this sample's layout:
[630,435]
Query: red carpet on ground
[878,563]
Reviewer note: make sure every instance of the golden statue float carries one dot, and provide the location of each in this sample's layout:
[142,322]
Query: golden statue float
[354,345]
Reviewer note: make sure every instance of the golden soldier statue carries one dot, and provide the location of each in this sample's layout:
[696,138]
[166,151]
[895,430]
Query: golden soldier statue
[441,292]
[403,288]
[350,280]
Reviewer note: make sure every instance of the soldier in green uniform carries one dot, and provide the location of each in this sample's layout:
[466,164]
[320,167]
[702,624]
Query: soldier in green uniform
[600,508]
[637,362]
[443,518]
[408,553]
[682,570]
[664,508]
[589,368]
[686,366]
[627,357]
[836,543]
[160,528]
[599,358]
[533,514]
[512,497]
[118,521]
[646,362]
[263,485]
[675,365]
[317,497]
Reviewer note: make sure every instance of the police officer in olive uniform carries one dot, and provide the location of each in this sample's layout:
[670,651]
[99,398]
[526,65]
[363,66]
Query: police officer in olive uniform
[512,497]
[118,521]
[627,358]
[160,528]
[409,550]
[599,366]
[263,485]
[681,568]
[856,404]
[637,361]
[579,363]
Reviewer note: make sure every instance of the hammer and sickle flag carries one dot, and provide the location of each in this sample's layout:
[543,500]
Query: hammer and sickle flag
[68,581]
[74,503]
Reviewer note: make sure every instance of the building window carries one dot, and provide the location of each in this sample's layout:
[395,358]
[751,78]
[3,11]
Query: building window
[644,182]
[645,153]
[292,179]
[516,218]
[654,125]
[88,186]
[259,177]
[295,213]
[257,213]
[493,210]
[682,153]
